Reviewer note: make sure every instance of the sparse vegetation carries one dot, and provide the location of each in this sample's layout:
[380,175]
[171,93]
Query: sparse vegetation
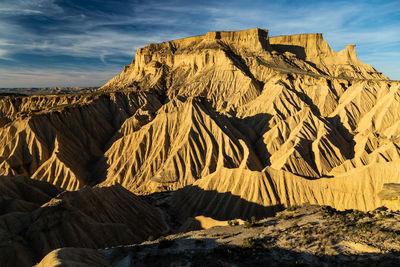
[383,216]
[250,223]
[366,227]
[135,148]
[249,242]
[233,222]
[306,240]
[287,216]
[355,215]
[292,208]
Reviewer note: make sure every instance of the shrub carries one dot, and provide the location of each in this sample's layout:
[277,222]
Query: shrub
[365,227]
[385,216]
[233,223]
[249,242]
[248,224]
[292,208]
[355,215]
[287,216]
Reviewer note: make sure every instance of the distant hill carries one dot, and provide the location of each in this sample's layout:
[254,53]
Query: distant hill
[42,91]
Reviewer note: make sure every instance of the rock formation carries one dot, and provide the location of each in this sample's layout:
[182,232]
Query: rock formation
[224,125]
[308,114]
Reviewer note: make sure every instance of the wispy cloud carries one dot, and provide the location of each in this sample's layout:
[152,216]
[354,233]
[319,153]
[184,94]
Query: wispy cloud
[26,7]
[64,32]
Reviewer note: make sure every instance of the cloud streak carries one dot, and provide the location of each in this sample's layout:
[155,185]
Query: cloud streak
[48,35]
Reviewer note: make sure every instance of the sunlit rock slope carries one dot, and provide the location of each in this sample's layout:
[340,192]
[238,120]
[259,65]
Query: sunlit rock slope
[259,122]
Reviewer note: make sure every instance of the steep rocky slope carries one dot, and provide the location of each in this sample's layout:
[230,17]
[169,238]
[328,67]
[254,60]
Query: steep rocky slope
[185,110]
[187,140]
[58,138]
[321,123]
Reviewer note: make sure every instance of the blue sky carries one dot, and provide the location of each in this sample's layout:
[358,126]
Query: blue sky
[86,42]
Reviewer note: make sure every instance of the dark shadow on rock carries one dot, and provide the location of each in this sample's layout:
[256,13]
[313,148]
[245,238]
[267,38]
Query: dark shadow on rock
[334,122]
[118,114]
[338,124]
[315,67]
[254,127]
[299,51]
[306,99]
[240,63]
[193,201]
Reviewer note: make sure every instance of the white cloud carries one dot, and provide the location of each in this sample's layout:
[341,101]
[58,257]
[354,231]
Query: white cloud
[3,53]
[100,36]
[29,7]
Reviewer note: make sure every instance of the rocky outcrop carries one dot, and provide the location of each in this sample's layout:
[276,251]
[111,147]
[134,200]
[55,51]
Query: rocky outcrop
[314,49]
[245,61]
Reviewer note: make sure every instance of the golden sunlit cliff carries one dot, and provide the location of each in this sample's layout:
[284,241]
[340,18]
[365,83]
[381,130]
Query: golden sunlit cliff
[224,125]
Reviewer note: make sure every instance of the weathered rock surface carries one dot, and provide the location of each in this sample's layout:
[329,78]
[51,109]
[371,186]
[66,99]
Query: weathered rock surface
[58,139]
[220,126]
[185,110]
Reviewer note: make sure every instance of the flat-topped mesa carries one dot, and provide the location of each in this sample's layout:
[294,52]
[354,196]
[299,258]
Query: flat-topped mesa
[186,57]
[313,48]
[305,46]
[250,37]
[254,37]
[171,52]
[251,52]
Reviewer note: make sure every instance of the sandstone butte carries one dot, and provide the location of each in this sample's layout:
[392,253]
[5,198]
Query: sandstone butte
[220,126]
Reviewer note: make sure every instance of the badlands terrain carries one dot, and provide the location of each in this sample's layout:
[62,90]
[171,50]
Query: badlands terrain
[198,132]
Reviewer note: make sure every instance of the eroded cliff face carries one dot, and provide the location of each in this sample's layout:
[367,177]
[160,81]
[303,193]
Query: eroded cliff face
[232,68]
[225,125]
[58,139]
[240,116]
